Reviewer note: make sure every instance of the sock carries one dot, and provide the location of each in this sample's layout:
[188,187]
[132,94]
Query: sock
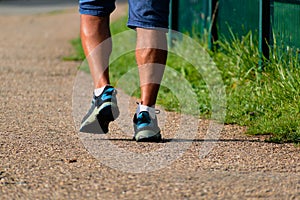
[150,110]
[98,91]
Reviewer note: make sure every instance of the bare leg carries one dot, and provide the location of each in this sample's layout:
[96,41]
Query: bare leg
[93,31]
[97,45]
[151,56]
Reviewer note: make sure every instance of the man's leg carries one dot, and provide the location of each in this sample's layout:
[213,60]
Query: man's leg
[151,56]
[97,45]
[150,19]
[93,31]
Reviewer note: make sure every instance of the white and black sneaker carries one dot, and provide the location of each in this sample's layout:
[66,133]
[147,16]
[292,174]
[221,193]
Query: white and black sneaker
[145,125]
[104,109]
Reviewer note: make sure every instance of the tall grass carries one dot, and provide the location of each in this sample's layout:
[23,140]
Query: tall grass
[266,102]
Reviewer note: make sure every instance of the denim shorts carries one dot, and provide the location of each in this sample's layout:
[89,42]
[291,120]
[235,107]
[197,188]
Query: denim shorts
[142,13]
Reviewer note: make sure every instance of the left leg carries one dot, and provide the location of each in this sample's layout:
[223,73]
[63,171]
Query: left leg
[97,45]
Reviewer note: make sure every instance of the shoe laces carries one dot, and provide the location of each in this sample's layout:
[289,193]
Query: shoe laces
[143,118]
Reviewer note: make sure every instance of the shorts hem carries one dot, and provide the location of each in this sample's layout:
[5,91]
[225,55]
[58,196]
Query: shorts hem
[93,13]
[138,24]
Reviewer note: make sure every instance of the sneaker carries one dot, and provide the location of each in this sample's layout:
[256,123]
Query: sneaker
[103,110]
[145,127]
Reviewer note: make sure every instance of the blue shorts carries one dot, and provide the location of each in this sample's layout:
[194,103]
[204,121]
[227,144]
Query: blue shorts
[142,13]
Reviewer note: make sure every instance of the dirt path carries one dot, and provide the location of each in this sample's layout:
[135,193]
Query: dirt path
[42,156]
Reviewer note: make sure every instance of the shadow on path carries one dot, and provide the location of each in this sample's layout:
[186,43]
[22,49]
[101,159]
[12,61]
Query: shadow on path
[188,140]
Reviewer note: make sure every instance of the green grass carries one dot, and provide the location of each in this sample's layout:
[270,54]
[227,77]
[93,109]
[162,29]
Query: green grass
[266,102]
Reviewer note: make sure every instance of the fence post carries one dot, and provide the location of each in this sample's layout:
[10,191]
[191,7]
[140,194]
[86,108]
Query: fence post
[264,31]
[170,24]
[173,19]
[210,11]
[260,27]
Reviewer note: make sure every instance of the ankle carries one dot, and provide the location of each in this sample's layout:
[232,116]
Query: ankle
[99,91]
[149,109]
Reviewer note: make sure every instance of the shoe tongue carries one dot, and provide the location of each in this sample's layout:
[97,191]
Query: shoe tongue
[143,117]
[143,114]
[148,109]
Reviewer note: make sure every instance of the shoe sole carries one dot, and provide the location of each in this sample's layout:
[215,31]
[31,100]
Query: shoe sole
[100,118]
[147,136]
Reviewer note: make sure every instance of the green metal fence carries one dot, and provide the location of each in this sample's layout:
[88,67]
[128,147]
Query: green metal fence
[194,16]
[270,20]
[240,16]
[285,19]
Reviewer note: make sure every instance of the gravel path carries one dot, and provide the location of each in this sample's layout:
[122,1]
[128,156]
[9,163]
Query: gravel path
[43,157]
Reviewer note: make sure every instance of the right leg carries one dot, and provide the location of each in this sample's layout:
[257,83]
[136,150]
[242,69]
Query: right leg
[97,45]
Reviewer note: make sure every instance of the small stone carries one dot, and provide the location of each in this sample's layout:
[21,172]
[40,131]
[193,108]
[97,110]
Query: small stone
[73,160]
